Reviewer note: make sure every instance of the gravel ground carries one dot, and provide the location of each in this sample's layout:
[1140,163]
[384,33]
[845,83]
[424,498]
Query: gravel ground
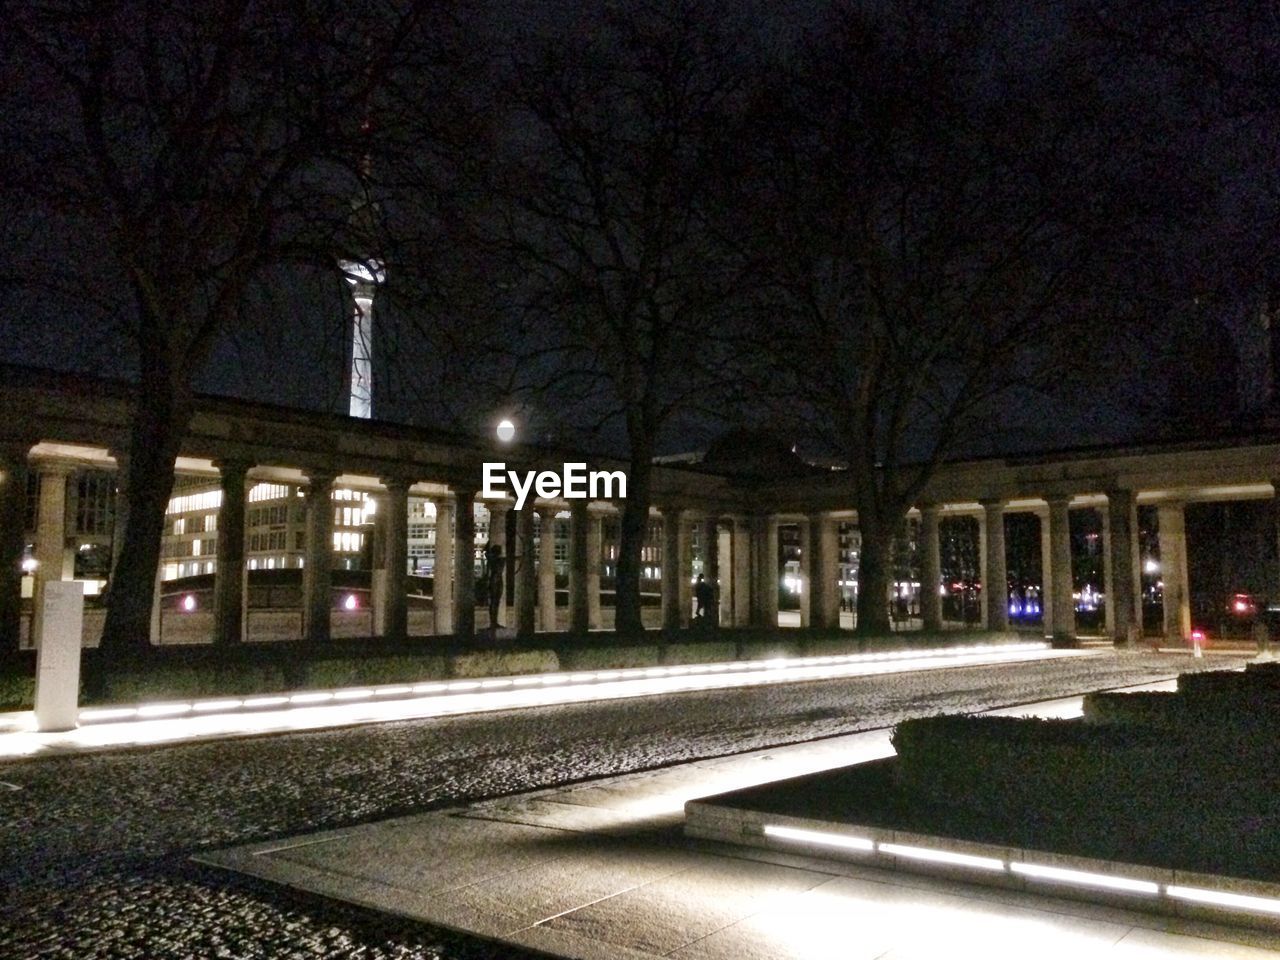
[94,848]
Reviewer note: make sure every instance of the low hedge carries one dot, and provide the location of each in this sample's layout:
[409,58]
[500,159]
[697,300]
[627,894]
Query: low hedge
[1151,708]
[1206,797]
[1258,684]
[1195,713]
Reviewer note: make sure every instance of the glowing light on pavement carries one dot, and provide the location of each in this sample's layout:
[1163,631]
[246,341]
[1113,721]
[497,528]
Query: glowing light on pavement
[819,838]
[1080,878]
[1221,898]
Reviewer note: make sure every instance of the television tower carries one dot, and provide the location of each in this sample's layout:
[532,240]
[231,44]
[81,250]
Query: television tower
[364,278]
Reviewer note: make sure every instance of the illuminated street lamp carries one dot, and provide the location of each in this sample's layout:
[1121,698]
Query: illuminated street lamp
[506,431]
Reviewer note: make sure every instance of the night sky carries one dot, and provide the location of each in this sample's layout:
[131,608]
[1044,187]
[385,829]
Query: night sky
[290,345]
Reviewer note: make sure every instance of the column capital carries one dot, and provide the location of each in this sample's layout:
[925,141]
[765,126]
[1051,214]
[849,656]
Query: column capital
[400,484]
[993,503]
[929,506]
[55,467]
[234,465]
[546,512]
[320,478]
[1057,499]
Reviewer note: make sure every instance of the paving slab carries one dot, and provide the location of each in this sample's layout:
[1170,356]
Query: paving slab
[601,870]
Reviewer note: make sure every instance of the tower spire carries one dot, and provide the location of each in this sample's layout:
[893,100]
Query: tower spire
[364,276]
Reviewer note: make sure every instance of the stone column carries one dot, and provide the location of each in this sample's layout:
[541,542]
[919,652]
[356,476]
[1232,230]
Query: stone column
[1060,573]
[1122,546]
[931,566]
[1173,571]
[828,556]
[391,615]
[442,571]
[1046,575]
[229,586]
[13,518]
[685,581]
[711,566]
[1108,608]
[995,577]
[806,573]
[317,571]
[51,535]
[673,570]
[741,551]
[526,574]
[547,568]
[765,605]
[579,567]
[464,559]
[818,578]
[595,546]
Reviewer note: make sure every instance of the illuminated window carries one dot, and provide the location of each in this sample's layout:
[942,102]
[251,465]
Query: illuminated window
[180,526]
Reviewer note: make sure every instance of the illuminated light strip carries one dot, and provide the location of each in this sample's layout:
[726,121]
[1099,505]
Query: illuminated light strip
[941,856]
[500,682]
[430,688]
[358,694]
[310,697]
[163,709]
[526,681]
[464,685]
[1081,878]
[820,838]
[265,702]
[205,706]
[392,691]
[1220,898]
[108,713]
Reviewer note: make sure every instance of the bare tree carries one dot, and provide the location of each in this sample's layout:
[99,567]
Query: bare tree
[188,148]
[940,207]
[615,145]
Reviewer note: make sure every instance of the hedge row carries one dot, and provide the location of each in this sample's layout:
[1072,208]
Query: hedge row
[1206,798]
[1210,698]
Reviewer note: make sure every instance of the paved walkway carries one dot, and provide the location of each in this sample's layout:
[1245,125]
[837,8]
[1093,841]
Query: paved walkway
[602,870]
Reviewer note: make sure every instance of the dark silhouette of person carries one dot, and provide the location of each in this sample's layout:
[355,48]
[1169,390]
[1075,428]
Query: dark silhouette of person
[494,569]
[703,595]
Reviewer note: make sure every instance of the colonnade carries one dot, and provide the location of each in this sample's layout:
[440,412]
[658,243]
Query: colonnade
[740,557]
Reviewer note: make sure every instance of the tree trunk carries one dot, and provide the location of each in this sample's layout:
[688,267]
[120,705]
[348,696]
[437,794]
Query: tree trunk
[635,529]
[160,419]
[875,572]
